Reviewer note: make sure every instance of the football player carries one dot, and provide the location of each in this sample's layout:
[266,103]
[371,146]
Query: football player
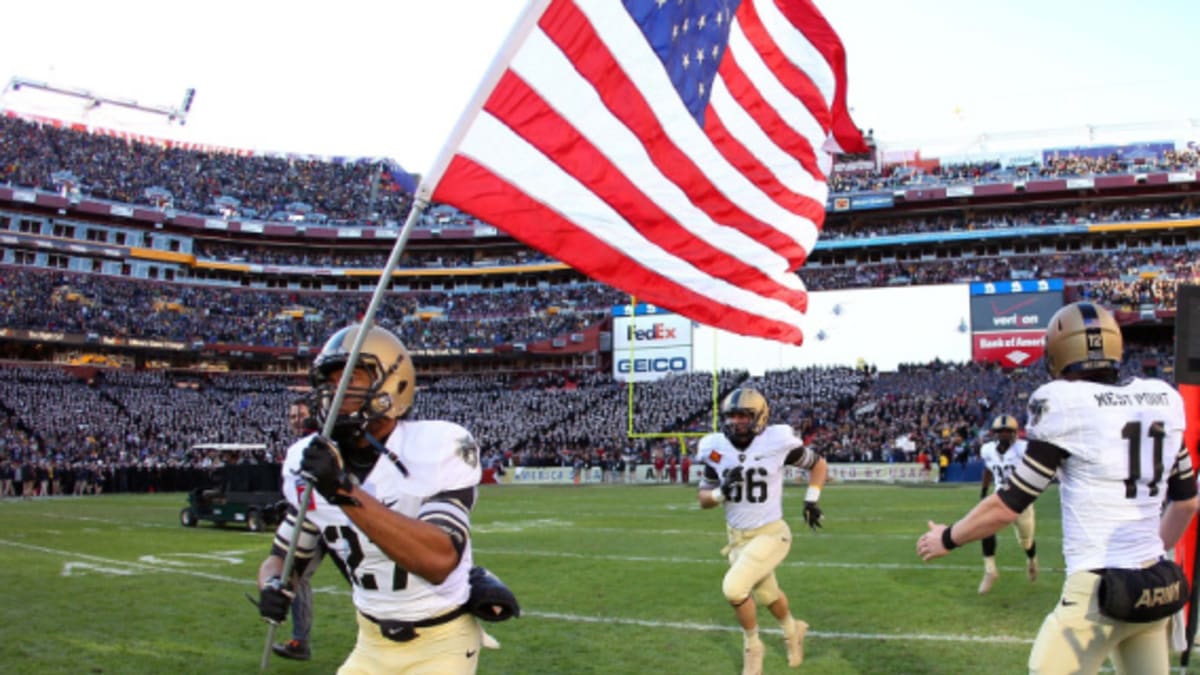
[1001,457]
[1117,448]
[391,504]
[743,470]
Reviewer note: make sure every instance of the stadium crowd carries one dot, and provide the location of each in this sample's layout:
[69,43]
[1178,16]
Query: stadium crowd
[1128,277]
[866,225]
[52,300]
[39,299]
[281,188]
[89,430]
[110,430]
[1064,165]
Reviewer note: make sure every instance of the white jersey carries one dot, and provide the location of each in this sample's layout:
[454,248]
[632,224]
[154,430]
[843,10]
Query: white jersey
[440,458]
[1002,464]
[1123,440]
[760,501]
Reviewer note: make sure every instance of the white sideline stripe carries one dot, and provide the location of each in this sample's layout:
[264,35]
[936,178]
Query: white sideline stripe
[505,527]
[554,616]
[683,625]
[94,519]
[717,559]
[124,563]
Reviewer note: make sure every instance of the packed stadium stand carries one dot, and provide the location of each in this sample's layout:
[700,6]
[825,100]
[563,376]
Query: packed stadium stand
[154,299]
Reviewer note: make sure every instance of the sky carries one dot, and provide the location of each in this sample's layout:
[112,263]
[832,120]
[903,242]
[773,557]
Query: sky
[957,79]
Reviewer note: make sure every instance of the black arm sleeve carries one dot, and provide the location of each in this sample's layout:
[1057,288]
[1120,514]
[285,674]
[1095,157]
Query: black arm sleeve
[1181,484]
[1037,469]
[450,510]
[802,457]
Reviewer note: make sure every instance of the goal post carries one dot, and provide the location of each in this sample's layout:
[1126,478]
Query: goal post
[666,349]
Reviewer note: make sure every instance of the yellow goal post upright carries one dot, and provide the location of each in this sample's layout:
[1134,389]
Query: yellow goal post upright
[631,382]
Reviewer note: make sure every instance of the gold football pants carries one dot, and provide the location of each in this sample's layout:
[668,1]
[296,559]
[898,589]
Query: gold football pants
[753,556]
[451,648]
[1076,639]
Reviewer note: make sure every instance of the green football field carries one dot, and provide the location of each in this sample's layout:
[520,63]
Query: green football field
[611,580]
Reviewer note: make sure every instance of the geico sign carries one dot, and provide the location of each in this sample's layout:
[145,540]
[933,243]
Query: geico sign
[661,364]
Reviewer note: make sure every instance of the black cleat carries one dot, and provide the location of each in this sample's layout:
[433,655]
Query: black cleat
[292,649]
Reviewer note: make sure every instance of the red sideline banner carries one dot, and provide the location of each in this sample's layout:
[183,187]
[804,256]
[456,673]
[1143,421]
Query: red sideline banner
[1185,549]
[1011,349]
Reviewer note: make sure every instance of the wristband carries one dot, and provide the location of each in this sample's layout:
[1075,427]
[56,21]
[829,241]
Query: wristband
[947,541]
[717,495]
[812,494]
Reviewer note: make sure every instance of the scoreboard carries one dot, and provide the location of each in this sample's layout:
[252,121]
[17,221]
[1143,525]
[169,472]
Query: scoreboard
[1009,319]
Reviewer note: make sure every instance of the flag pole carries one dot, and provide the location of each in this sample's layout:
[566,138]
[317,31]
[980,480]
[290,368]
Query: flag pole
[385,278]
[524,24]
[422,196]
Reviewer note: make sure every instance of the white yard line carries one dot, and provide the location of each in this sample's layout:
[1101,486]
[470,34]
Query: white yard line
[113,564]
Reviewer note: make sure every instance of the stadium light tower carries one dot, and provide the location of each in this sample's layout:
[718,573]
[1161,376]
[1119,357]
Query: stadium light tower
[93,100]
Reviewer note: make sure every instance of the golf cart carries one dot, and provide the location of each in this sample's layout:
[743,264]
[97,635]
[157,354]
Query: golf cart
[238,492]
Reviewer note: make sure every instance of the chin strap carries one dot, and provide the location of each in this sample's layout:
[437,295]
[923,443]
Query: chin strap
[383,450]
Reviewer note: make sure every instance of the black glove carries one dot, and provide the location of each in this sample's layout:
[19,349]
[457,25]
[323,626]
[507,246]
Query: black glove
[273,600]
[812,515]
[322,467]
[733,481]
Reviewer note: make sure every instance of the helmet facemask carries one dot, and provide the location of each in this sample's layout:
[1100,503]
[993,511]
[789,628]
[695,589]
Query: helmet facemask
[383,364]
[1004,428]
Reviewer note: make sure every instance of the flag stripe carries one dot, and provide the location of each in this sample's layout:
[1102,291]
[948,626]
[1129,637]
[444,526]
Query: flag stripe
[766,83]
[795,47]
[543,228]
[809,192]
[795,80]
[493,145]
[803,16]
[635,66]
[749,163]
[767,118]
[528,116]
[662,169]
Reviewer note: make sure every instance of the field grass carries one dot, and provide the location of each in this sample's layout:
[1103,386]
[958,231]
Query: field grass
[611,580]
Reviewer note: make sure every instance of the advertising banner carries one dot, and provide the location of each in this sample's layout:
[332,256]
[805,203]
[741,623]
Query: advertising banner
[1027,311]
[553,475]
[1009,319]
[649,343]
[1011,349]
[910,472]
[651,364]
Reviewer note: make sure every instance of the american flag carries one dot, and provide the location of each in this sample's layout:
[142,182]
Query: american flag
[674,149]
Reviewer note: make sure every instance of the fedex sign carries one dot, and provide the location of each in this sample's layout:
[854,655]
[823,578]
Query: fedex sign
[658,330]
